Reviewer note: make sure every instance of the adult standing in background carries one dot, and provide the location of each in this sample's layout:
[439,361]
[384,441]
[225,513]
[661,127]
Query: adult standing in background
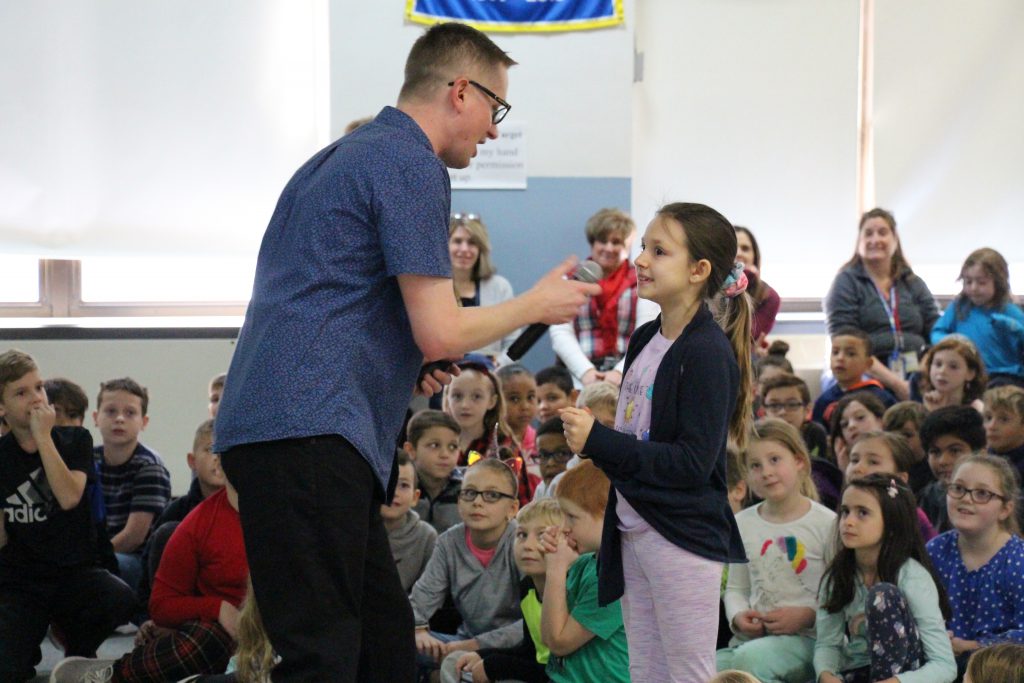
[766,299]
[477,282]
[353,291]
[877,292]
[593,346]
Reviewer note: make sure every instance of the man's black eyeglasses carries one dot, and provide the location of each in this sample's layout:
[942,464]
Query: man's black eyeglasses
[469,495]
[498,114]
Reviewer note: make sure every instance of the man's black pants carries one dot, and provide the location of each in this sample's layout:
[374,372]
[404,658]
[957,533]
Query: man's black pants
[321,566]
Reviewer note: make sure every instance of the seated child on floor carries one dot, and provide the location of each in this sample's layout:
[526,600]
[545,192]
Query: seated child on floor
[474,399]
[952,374]
[905,418]
[474,564]
[48,556]
[197,593]
[411,539]
[433,447]
[136,484]
[788,398]
[979,562]
[553,453]
[519,390]
[587,640]
[850,359]
[524,662]
[771,601]
[882,609]
[1004,424]
[886,453]
[948,435]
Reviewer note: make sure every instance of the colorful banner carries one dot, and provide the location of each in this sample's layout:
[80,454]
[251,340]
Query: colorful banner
[519,16]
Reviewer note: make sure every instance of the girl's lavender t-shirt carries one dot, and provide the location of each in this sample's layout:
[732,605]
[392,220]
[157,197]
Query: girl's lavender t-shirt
[633,413]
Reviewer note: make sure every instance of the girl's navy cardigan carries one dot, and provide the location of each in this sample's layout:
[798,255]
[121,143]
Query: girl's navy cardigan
[676,481]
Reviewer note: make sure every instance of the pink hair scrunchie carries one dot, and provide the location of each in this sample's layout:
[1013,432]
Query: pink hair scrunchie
[736,282]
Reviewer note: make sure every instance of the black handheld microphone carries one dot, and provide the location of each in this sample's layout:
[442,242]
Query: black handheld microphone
[588,272]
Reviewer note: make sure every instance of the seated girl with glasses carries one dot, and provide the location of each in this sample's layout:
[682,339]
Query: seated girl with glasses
[979,562]
[553,454]
[473,563]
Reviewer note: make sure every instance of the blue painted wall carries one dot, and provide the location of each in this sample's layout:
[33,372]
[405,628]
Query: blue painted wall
[532,230]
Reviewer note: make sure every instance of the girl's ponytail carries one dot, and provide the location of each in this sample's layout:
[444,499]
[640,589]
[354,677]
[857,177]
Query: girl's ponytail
[736,321]
[710,235]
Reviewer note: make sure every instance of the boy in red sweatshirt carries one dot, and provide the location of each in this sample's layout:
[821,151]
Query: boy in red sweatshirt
[197,593]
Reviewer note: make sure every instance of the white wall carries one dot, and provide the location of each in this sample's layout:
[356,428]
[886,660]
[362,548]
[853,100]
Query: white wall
[572,89]
[750,107]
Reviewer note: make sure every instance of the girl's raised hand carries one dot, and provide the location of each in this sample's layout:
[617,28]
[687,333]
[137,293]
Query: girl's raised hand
[576,424]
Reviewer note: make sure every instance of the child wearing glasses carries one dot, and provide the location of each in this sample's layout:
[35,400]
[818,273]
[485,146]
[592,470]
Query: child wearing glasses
[474,563]
[979,562]
[553,454]
[788,398]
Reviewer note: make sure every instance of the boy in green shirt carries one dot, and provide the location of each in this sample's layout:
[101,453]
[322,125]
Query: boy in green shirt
[587,642]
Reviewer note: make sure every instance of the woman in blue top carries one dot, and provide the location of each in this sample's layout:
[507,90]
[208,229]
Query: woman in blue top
[985,313]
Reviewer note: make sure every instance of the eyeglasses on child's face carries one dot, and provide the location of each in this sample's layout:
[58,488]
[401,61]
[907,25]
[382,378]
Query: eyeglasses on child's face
[783,407]
[979,496]
[559,456]
[469,495]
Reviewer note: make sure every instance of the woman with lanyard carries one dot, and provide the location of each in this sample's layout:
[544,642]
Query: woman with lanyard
[877,292]
[476,280]
[593,347]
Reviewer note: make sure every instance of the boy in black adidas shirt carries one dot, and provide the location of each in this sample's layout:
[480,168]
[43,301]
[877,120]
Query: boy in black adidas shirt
[48,567]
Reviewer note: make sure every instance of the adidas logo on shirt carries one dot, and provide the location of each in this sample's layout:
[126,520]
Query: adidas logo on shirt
[29,503]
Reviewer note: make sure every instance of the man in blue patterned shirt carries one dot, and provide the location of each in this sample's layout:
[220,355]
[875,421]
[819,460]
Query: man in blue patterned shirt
[353,292]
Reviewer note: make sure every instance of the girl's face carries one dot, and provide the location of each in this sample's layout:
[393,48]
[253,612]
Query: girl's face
[869,456]
[744,249]
[463,251]
[877,241]
[664,268]
[979,287]
[470,396]
[861,526]
[857,420]
[969,517]
[479,515]
[949,371]
[774,471]
[610,250]
[520,401]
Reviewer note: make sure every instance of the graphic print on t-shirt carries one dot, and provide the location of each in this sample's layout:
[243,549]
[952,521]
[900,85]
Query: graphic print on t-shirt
[781,557]
[31,501]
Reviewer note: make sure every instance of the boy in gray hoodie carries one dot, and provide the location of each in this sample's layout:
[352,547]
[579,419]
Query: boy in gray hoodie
[412,540]
[474,563]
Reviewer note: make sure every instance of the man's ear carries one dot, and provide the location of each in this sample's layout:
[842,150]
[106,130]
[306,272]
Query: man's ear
[700,271]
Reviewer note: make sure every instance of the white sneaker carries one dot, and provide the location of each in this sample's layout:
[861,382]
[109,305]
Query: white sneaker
[83,670]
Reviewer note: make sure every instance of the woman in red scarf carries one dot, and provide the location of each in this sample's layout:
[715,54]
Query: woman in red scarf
[594,346]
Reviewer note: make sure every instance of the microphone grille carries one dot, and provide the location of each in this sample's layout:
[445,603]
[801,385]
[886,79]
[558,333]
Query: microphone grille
[588,272]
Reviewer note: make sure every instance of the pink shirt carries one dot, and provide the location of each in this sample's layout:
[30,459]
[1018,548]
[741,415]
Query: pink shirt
[484,556]
[633,413]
